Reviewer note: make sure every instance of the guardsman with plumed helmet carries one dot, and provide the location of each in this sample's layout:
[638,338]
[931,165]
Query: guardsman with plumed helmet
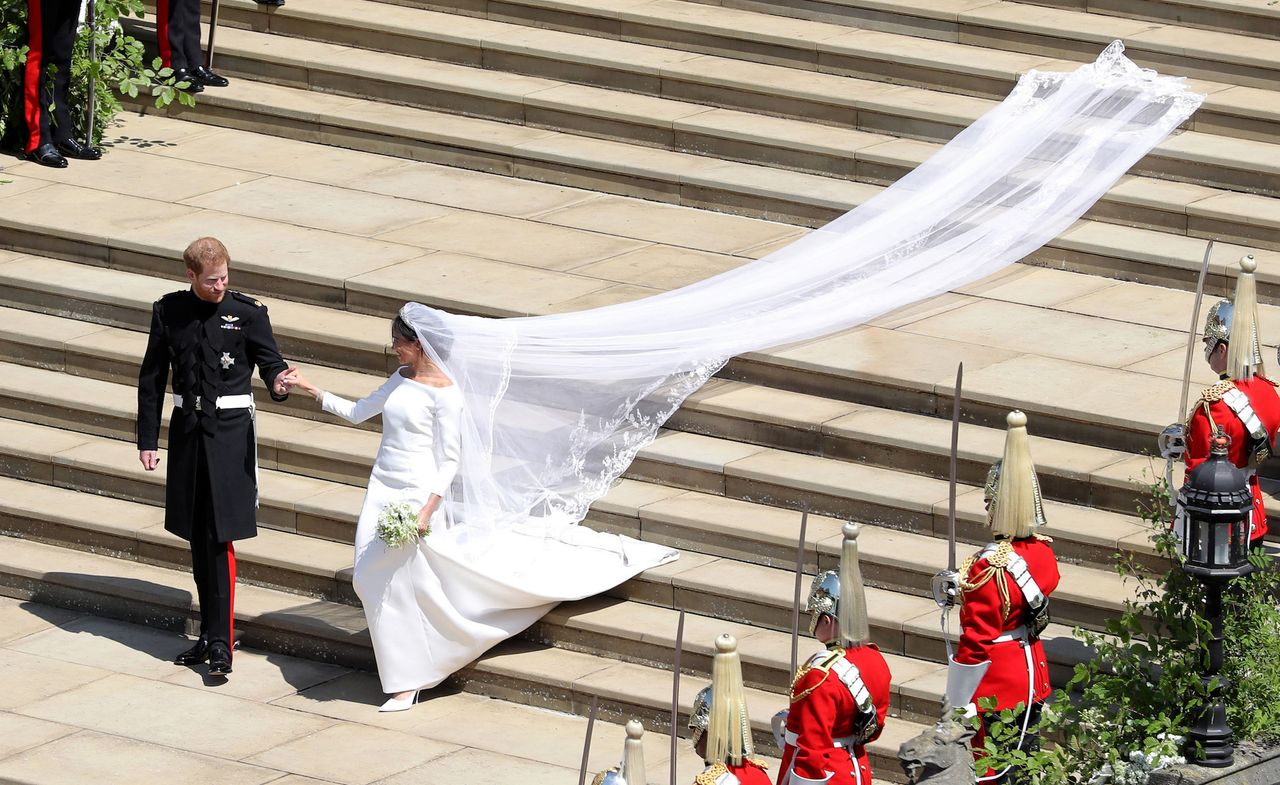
[1244,403]
[840,697]
[721,727]
[1004,591]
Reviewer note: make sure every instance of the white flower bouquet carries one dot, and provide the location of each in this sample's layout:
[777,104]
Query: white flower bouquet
[398,524]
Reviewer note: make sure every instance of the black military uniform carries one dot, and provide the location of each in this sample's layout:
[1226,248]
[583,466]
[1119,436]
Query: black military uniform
[211,491]
[46,105]
[178,39]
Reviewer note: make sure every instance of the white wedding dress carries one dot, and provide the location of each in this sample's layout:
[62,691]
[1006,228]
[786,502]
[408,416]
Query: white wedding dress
[417,639]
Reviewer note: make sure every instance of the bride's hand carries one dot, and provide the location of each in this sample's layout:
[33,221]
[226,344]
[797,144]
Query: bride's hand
[424,520]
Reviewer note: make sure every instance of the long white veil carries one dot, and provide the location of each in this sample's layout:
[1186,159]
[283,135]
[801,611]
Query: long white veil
[557,406]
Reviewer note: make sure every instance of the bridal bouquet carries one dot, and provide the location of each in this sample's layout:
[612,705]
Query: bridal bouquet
[398,524]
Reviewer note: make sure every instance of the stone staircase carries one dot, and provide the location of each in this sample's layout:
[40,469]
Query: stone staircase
[535,156]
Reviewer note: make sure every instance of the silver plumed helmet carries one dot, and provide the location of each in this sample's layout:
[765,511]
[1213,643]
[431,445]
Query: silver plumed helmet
[1217,325]
[700,717]
[824,598]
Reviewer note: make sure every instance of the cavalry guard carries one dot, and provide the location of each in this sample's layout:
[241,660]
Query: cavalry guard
[213,339]
[1244,404]
[1004,591]
[840,697]
[631,770]
[721,727]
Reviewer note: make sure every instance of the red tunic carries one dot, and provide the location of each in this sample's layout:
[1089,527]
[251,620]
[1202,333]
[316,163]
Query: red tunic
[822,709]
[749,773]
[983,619]
[1266,404]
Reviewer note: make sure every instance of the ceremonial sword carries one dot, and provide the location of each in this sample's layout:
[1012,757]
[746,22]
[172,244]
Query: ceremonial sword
[586,743]
[1172,440]
[795,610]
[945,583]
[675,694]
[92,17]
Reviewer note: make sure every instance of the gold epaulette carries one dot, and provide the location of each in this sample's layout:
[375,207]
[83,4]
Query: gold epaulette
[710,774]
[599,778]
[824,665]
[997,561]
[1042,537]
[1215,393]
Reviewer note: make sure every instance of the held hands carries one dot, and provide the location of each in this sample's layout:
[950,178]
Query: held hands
[285,381]
[292,377]
[150,459]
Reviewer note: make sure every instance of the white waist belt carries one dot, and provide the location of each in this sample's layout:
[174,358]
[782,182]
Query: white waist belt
[842,743]
[1018,633]
[242,401]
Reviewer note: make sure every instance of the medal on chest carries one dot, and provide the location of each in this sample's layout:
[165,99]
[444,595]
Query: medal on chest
[227,360]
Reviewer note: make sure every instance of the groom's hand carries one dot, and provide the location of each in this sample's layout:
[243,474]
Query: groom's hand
[150,459]
[284,381]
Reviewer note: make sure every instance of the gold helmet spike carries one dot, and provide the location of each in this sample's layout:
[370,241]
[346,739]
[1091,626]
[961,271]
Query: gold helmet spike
[728,726]
[1244,353]
[1016,506]
[852,609]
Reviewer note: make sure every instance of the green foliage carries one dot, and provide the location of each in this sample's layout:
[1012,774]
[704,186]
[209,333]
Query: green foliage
[121,69]
[1126,711]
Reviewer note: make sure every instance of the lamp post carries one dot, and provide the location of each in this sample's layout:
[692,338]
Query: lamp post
[1212,521]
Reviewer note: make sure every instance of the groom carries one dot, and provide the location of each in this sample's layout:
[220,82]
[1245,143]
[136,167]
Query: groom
[212,338]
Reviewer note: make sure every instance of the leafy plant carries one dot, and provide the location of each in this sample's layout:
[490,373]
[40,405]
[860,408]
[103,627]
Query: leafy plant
[121,69]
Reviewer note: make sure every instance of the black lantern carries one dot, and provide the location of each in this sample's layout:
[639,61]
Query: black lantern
[1214,509]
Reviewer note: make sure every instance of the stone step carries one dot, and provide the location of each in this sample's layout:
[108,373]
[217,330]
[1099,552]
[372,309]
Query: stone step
[520,671]
[1071,28]
[874,100]
[724,409]
[992,38]
[710,524]
[722,589]
[892,363]
[689,127]
[296,453]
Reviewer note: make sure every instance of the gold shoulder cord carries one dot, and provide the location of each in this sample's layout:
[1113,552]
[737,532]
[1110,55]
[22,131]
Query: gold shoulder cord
[824,666]
[996,563]
[710,774]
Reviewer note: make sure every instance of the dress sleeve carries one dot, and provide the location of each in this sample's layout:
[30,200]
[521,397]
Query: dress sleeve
[152,378]
[448,429]
[980,618]
[363,409]
[261,345]
[1198,437]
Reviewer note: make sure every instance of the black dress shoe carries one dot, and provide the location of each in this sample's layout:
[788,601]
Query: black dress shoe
[194,655]
[209,78]
[47,155]
[271,2]
[219,659]
[73,149]
[194,85]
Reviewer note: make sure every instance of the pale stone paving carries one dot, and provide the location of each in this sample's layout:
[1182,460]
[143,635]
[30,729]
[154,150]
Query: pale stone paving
[85,699]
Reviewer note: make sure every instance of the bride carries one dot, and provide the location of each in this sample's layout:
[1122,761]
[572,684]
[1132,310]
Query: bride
[408,622]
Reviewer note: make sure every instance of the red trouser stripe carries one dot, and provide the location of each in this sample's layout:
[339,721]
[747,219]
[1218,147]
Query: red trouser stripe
[31,79]
[162,32]
[231,611]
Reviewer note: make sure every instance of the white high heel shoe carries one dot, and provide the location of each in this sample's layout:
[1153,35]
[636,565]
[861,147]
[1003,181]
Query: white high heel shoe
[400,704]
